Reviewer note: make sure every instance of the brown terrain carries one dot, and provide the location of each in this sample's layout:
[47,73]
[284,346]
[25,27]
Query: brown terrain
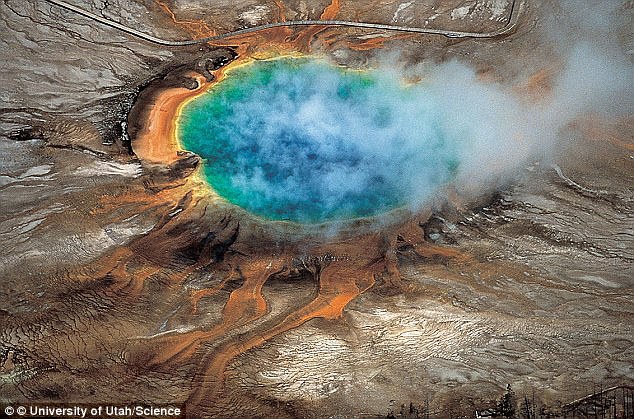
[125,280]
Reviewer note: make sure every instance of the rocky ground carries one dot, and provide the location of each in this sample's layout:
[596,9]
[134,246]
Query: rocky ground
[125,280]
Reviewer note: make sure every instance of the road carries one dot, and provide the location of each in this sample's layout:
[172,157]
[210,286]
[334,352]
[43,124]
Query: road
[508,28]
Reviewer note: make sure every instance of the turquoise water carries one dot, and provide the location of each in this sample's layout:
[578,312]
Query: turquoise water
[302,140]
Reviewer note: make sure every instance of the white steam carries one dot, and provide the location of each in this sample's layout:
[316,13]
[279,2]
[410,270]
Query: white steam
[592,47]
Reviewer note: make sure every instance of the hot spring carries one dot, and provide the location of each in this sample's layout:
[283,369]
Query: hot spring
[303,140]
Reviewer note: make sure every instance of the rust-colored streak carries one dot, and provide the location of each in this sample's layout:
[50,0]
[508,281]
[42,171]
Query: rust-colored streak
[156,141]
[331,11]
[538,87]
[265,44]
[246,304]
[374,43]
[281,11]
[368,44]
[306,36]
[208,292]
[595,128]
[339,284]
[411,234]
[198,28]
[127,268]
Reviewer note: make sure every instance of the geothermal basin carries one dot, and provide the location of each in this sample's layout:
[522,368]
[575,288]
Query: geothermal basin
[318,221]
[303,140]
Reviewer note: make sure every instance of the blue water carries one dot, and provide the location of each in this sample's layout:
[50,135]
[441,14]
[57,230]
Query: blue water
[302,140]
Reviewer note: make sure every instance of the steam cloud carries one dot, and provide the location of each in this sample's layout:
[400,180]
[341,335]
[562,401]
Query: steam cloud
[311,143]
[594,75]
